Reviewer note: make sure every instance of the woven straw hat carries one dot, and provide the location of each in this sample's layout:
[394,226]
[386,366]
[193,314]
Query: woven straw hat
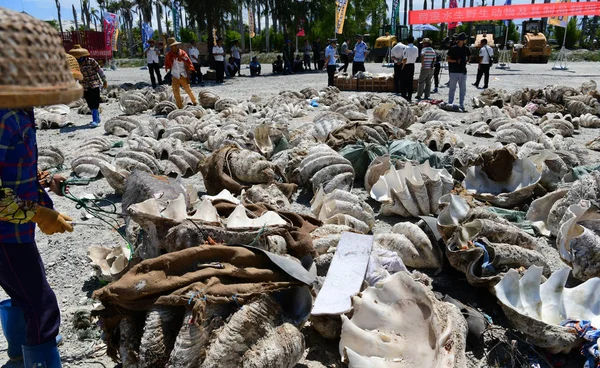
[74,65]
[77,51]
[33,67]
[171,41]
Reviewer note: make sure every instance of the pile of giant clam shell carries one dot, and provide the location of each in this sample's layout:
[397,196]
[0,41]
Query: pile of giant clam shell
[504,212]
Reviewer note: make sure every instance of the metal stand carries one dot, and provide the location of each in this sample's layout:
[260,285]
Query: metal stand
[505,59]
[561,59]
[387,62]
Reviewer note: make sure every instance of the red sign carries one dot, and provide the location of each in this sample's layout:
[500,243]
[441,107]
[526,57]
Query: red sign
[502,12]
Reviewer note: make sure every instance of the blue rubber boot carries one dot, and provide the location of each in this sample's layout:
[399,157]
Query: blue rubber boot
[95,118]
[15,332]
[42,356]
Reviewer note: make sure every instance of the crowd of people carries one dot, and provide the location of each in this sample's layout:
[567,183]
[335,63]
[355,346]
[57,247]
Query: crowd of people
[184,69]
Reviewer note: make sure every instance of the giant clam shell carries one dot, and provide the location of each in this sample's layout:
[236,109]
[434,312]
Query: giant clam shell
[536,309]
[578,240]
[343,208]
[412,190]
[508,193]
[399,323]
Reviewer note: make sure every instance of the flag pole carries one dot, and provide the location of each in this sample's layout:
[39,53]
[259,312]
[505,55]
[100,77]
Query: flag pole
[561,60]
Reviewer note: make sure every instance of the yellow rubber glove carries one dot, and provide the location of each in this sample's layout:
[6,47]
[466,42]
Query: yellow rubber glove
[51,222]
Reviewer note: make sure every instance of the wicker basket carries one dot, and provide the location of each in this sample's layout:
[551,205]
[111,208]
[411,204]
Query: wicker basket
[33,67]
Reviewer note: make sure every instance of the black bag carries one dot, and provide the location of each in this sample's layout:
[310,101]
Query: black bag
[489,56]
[168,79]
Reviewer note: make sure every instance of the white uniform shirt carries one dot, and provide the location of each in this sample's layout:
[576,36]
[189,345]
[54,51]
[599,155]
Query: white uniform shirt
[485,52]
[397,51]
[152,55]
[411,53]
[235,52]
[178,70]
[218,50]
[194,52]
[330,55]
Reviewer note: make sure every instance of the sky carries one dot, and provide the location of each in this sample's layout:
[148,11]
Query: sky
[46,9]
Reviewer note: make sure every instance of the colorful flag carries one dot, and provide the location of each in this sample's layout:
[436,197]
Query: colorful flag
[300,32]
[453,4]
[147,33]
[251,23]
[176,21]
[110,23]
[507,2]
[559,20]
[395,15]
[340,15]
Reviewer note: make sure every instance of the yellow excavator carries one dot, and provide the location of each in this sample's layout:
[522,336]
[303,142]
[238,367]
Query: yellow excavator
[534,46]
[386,40]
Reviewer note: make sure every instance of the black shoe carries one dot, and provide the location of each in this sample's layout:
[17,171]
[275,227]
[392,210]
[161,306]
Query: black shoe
[485,87]
[475,84]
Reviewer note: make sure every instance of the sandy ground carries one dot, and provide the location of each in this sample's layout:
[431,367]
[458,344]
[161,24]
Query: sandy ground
[65,257]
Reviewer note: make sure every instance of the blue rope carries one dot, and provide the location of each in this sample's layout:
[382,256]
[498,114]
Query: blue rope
[487,266]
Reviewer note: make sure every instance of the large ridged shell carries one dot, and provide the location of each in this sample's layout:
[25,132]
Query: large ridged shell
[536,309]
[343,208]
[412,190]
[325,167]
[121,126]
[159,335]
[511,192]
[578,239]
[398,115]
[412,244]
[399,323]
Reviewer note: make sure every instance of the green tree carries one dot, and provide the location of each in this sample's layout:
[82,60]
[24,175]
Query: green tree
[188,35]
[54,24]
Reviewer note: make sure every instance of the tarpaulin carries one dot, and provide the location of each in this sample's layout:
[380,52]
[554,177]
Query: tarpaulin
[486,13]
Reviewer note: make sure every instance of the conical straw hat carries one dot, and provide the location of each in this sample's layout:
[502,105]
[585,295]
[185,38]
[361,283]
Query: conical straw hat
[33,67]
[77,51]
[74,65]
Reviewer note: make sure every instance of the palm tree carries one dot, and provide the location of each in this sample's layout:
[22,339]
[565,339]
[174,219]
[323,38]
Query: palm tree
[59,17]
[75,17]
[158,18]
[94,14]
[410,8]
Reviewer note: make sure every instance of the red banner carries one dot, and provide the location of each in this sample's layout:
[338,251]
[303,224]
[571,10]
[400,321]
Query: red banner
[502,12]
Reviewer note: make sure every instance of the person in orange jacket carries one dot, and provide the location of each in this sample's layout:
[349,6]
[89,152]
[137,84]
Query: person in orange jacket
[181,67]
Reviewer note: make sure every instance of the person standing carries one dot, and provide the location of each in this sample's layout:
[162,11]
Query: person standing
[345,56]
[411,53]
[397,54]
[93,80]
[360,53]
[307,52]
[316,47]
[236,54]
[153,59]
[428,57]
[194,54]
[458,55]
[31,317]
[219,55]
[486,53]
[330,57]
[288,57]
[181,67]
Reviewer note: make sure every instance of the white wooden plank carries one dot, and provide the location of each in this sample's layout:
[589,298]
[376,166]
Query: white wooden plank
[345,275]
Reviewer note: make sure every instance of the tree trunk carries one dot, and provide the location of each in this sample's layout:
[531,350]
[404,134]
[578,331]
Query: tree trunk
[75,18]
[405,12]
[159,20]
[59,17]
[432,7]
[257,18]
[267,28]
[241,25]
[470,29]
[424,4]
